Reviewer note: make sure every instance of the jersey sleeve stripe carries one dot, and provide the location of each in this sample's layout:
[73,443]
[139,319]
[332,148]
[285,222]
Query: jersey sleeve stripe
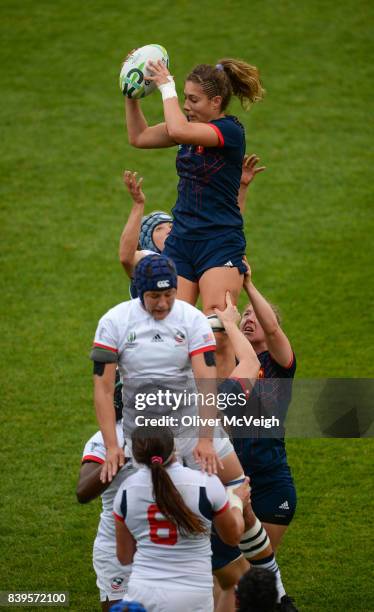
[93,458]
[118,517]
[203,349]
[224,507]
[104,346]
[219,134]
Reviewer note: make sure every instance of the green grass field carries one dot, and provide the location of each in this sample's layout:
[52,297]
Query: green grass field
[309,228]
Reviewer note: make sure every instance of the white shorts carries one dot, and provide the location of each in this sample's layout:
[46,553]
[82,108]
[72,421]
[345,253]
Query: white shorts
[162,599]
[184,447]
[112,576]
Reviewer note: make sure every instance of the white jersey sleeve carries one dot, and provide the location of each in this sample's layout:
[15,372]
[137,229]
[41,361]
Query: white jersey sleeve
[201,337]
[216,494]
[106,336]
[95,449]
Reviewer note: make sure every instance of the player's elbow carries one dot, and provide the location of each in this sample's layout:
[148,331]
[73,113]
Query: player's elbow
[125,257]
[82,496]
[135,140]
[177,133]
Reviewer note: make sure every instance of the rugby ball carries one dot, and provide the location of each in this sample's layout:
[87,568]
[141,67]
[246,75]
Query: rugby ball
[133,76]
[215,323]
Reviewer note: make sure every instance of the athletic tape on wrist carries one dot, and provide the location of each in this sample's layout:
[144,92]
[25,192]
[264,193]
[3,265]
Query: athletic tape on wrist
[168,89]
[254,541]
[234,500]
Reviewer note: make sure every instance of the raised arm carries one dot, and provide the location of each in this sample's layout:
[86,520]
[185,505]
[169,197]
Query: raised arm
[129,255]
[248,366]
[140,134]
[277,342]
[249,171]
[179,129]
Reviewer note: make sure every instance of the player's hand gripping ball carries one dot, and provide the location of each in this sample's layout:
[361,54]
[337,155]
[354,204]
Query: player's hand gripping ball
[133,77]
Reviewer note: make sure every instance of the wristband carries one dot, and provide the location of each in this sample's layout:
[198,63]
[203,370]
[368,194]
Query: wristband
[234,500]
[168,89]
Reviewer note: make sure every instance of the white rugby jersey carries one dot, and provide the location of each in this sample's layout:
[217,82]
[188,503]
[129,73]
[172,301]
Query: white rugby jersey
[154,354]
[162,552]
[95,451]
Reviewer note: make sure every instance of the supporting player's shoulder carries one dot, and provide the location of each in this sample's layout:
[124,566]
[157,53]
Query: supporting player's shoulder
[95,447]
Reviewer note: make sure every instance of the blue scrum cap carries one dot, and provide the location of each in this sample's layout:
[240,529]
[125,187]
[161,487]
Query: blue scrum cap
[149,222]
[154,273]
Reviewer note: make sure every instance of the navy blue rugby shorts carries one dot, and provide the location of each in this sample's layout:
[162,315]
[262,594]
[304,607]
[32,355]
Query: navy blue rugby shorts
[222,554]
[194,257]
[273,495]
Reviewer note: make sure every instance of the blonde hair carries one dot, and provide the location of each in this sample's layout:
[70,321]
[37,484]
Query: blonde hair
[229,77]
[274,308]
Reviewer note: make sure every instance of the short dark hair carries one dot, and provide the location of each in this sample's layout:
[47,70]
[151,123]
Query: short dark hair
[257,591]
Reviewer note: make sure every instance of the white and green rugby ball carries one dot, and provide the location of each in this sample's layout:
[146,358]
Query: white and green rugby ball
[133,77]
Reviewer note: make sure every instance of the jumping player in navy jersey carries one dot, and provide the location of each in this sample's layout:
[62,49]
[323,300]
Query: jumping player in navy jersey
[207,242]
[144,234]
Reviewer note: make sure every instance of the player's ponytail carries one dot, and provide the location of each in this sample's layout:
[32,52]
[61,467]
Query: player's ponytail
[245,81]
[229,77]
[154,447]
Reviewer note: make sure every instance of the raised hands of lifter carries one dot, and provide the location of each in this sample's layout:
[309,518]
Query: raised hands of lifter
[247,280]
[230,314]
[243,491]
[250,169]
[134,187]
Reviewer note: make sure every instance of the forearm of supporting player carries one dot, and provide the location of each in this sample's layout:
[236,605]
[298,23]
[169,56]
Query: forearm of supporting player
[263,310]
[129,240]
[106,416]
[89,485]
[242,197]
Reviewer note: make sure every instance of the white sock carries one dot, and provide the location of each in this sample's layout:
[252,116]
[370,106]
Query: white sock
[270,563]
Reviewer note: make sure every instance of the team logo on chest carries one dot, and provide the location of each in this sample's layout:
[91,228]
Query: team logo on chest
[180,337]
[130,340]
[199,149]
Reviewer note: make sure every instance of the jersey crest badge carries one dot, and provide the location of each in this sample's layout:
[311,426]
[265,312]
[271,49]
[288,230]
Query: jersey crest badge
[179,337]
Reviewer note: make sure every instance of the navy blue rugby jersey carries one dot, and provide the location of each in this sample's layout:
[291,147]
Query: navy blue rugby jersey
[271,395]
[209,180]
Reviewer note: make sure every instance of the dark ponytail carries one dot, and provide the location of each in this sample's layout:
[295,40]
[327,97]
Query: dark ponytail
[154,447]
